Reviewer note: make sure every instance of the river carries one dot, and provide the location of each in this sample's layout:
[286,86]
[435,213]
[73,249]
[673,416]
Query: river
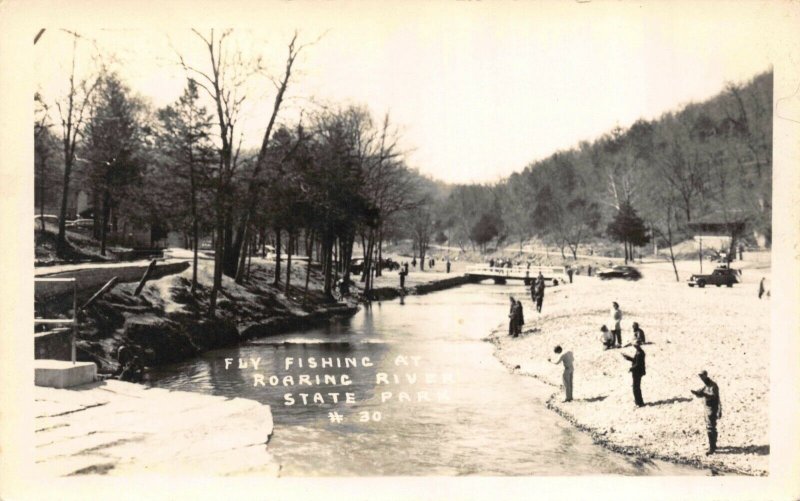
[474,417]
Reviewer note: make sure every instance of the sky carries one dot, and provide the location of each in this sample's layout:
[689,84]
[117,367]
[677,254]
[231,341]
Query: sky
[479,90]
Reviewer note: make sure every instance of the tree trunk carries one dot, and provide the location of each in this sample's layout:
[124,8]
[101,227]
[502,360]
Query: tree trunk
[104,221]
[309,249]
[231,261]
[195,240]
[242,251]
[253,248]
[671,253]
[61,242]
[289,250]
[195,228]
[378,261]
[327,253]
[277,257]
[219,250]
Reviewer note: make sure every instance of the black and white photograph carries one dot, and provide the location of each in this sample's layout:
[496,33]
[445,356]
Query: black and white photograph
[386,240]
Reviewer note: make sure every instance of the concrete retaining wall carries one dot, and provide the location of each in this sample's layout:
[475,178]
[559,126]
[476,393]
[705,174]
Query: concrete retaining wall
[55,344]
[90,278]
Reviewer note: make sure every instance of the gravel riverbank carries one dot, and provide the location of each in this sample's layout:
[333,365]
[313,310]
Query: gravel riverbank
[722,330]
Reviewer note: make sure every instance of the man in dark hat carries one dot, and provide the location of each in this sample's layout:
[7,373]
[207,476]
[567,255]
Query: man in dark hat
[637,370]
[710,392]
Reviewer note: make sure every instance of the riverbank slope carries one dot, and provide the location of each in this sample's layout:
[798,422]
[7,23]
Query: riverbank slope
[722,330]
[167,323]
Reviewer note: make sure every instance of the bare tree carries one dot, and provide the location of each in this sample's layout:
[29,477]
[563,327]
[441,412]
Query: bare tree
[223,81]
[253,191]
[72,116]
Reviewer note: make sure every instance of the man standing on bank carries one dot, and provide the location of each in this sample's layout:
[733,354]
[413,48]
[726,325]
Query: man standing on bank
[566,359]
[710,392]
[512,318]
[637,370]
[537,292]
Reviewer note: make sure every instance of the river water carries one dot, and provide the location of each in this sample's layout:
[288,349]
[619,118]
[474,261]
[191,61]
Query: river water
[453,409]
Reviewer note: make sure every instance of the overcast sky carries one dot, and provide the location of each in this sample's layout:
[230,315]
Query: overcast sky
[480,90]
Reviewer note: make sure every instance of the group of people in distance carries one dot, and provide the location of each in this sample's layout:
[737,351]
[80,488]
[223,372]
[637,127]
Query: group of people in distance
[403,272]
[613,339]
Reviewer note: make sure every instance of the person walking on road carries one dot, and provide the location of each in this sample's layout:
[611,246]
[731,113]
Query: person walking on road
[637,370]
[570,272]
[403,273]
[616,318]
[761,288]
[447,264]
[566,358]
[710,392]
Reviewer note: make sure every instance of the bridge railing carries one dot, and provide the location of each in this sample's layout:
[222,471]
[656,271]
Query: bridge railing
[548,272]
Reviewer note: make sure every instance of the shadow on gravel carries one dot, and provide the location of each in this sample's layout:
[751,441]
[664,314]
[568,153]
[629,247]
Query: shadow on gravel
[673,400]
[761,450]
[598,398]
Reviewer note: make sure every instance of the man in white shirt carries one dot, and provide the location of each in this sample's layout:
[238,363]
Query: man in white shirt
[566,358]
[616,317]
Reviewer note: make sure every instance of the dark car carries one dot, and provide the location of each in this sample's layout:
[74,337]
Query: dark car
[357,265]
[719,277]
[625,272]
[390,264]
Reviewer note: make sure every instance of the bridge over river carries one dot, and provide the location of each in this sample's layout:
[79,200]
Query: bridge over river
[500,275]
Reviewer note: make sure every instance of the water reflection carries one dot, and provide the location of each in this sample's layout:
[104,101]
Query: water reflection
[485,422]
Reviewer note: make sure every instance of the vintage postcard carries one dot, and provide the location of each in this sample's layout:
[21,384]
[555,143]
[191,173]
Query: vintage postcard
[366,250]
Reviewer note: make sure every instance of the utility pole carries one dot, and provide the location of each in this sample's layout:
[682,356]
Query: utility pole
[701,254]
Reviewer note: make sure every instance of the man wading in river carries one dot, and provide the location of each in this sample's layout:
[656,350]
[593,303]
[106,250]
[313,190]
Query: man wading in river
[567,359]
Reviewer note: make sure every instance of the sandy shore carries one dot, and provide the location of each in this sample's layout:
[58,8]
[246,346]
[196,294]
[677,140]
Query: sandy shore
[117,428]
[722,330]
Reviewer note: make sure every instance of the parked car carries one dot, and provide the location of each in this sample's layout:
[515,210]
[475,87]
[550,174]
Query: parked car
[625,272]
[48,218]
[357,265]
[719,277]
[390,264]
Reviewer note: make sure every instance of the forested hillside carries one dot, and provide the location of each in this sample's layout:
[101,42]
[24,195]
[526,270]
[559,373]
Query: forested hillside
[708,160]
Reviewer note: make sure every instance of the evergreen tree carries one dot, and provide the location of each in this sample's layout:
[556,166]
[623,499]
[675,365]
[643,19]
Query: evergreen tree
[627,227]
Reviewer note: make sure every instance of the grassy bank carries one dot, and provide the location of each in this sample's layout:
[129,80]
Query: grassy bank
[723,330]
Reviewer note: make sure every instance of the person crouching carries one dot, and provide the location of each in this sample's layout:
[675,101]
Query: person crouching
[607,338]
